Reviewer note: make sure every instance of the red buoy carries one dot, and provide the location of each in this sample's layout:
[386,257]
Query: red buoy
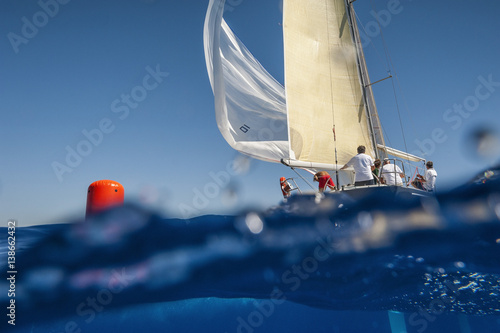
[103,194]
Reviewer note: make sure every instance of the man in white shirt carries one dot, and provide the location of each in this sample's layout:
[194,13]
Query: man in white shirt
[430,177]
[391,173]
[363,167]
[428,181]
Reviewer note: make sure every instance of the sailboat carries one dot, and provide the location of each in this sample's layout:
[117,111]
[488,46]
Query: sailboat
[326,108]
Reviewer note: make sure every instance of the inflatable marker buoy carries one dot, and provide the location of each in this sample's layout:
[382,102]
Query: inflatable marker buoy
[103,194]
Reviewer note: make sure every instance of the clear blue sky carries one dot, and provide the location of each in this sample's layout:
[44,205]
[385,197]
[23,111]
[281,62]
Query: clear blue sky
[124,85]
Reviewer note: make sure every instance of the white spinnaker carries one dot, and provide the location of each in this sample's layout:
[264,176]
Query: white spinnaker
[249,103]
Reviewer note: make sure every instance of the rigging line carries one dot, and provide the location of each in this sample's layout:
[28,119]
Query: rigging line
[384,44]
[387,68]
[331,92]
[400,122]
[386,137]
[298,174]
[372,44]
[390,64]
[412,122]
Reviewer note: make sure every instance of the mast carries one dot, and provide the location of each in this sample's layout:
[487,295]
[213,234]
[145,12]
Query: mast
[365,85]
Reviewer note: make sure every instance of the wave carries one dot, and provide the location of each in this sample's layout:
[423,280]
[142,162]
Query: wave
[441,254]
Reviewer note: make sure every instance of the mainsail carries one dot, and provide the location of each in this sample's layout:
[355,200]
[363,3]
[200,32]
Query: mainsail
[328,110]
[321,59]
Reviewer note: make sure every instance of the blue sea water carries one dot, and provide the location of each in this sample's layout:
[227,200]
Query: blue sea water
[377,265]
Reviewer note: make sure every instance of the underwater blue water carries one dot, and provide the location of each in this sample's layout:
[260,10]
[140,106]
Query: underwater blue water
[377,265]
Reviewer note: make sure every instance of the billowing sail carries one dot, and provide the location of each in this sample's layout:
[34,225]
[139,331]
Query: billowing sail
[324,117]
[320,59]
[249,102]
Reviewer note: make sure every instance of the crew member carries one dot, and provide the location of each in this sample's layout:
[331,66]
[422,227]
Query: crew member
[363,167]
[428,181]
[286,189]
[325,181]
